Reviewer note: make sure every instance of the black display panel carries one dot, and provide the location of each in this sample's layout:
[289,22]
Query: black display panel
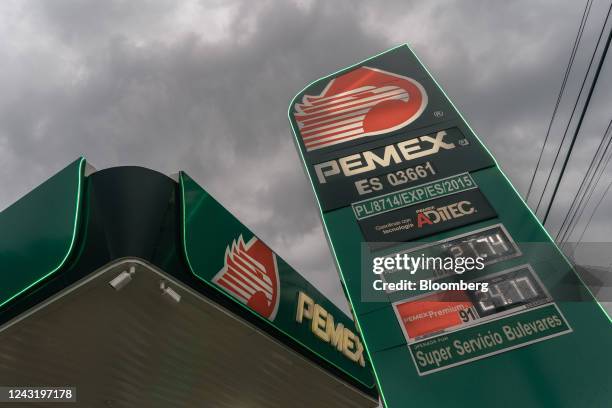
[404,160]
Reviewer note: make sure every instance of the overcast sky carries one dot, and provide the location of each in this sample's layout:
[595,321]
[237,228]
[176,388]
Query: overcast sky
[203,86]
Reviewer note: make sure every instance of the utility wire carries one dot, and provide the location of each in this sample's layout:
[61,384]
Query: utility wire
[586,180]
[593,213]
[571,228]
[571,232]
[585,15]
[580,212]
[565,231]
[582,115]
[570,119]
[598,174]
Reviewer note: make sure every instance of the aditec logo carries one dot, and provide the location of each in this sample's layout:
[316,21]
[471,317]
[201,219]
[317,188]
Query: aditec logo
[251,275]
[433,215]
[363,102]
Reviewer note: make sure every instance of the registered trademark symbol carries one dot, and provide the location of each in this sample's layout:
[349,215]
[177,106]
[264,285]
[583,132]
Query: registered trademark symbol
[438,114]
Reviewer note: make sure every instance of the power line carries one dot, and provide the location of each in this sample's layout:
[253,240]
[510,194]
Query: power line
[585,14]
[571,116]
[593,213]
[562,143]
[599,171]
[581,207]
[582,115]
[572,219]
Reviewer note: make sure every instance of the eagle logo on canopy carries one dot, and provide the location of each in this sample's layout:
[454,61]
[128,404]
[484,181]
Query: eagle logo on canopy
[250,274]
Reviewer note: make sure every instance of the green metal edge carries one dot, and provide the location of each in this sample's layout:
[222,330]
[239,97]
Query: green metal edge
[75,227]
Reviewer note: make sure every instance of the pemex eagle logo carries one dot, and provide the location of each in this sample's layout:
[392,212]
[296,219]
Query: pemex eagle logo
[363,102]
[250,274]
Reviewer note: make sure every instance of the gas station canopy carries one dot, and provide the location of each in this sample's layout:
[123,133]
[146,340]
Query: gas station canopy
[142,290]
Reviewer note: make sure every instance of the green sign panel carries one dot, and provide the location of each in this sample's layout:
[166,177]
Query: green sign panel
[397,171]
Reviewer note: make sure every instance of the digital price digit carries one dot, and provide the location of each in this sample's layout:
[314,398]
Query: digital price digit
[492,244]
[507,291]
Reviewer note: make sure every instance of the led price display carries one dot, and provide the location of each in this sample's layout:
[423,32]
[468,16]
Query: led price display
[508,291]
[493,244]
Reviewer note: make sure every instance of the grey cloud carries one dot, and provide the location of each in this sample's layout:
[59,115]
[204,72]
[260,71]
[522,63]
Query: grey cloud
[204,87]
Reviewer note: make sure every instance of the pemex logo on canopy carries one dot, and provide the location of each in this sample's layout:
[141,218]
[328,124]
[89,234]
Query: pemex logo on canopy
[363,102]
[250,274]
